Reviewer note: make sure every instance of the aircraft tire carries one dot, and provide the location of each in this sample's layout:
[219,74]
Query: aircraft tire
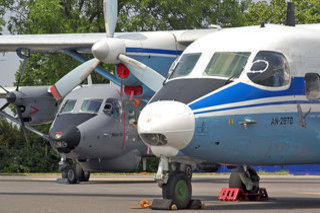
[71,174]
[79,172]
[235,181]
[86,176]
[178,189]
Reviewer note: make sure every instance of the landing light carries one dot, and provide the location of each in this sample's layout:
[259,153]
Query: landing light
[123,71]
[154,139]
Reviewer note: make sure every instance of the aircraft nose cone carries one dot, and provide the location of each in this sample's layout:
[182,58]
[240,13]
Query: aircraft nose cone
[65,141]
[100,49]
[166,126]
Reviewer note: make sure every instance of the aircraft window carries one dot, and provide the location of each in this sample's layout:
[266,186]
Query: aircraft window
[91,105]
[312,82]
[227,64]
[112,107]
[68,106]
[185,65]
[270,69]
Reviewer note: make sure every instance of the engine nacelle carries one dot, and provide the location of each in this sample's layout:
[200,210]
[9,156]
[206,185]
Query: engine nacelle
[36,104]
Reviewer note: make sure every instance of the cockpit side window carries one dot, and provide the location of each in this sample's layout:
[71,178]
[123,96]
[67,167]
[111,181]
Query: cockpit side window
[227,64]
[68,106]
[92,105]
[185,65]
[112,107]
[312,83]
[270,69]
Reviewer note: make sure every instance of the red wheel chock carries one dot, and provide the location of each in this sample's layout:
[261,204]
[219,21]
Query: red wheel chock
[237,194]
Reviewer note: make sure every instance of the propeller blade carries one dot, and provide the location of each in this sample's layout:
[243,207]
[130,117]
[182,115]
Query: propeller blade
[4,89]
[145,74]
[73,79]
[24,66]
[4,106]
[22,123]
[9,117]
[3,92]
[110,9]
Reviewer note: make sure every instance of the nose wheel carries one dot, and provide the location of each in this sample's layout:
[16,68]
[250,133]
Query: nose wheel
[178,189]
[175,181]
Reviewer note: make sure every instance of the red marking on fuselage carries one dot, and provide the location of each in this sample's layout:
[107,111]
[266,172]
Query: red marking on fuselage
[35,110]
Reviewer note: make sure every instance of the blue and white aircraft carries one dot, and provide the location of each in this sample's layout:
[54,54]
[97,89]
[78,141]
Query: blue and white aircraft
[238,97]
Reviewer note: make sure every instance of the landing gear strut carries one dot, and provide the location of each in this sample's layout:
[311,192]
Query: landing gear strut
[72,174]
[245,178]
[175,181]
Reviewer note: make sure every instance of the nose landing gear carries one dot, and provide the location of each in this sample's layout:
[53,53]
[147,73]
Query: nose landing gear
[72,174]
[175,181]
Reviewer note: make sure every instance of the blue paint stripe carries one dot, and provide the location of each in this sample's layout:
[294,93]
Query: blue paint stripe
[243,92]
[262,104]
[154,51]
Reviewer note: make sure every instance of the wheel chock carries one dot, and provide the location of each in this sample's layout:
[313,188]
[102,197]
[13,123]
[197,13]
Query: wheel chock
[163,204]
[232,194]
[166,204]
[237,194]
[195,204]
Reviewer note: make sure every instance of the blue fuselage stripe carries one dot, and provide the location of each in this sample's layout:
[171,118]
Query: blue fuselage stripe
[244,92]
[153,51]
[258,105]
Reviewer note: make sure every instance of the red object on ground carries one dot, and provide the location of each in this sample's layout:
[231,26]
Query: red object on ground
[237,194]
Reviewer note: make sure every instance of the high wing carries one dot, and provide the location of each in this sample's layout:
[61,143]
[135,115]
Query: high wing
[82,42]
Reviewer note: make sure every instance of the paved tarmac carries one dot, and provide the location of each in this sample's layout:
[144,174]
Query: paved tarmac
[117,193]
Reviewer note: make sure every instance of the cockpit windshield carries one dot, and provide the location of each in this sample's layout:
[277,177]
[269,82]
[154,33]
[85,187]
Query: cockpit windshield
[227,64]
[92,105]
[68,106]
[185,65]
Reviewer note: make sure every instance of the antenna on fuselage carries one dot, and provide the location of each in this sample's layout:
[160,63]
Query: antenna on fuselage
[290,21]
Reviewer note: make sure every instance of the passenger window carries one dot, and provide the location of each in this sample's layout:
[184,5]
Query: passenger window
[92,106]
[270,69]
[312,83]
[68,106]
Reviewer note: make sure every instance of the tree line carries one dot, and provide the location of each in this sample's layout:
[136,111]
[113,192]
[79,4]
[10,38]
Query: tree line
[83,16]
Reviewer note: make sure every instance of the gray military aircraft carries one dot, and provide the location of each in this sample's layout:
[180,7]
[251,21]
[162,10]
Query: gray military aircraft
[96,124]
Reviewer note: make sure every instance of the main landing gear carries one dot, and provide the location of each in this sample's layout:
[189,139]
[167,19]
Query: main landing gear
[243,186]
[245,178]
[72,174]
[175,181]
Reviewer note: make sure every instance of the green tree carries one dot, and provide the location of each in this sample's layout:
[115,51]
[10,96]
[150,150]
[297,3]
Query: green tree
[306,12]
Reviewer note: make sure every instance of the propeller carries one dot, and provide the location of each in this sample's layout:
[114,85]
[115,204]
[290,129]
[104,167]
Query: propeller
[11,96]
[112,50]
